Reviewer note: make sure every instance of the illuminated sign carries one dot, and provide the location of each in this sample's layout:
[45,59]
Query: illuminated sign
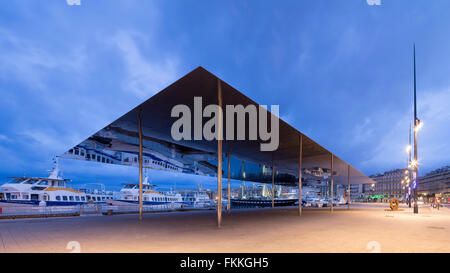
[376,196]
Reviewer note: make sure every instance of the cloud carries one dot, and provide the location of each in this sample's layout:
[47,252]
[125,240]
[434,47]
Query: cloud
[48,139]
[434,136]
[30,63]
[63,100]
[144,77]
[363,131]
[390,137]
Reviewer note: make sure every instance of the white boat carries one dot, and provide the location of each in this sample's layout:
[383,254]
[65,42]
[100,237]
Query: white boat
[48,191]
[197,198]
[312,202]
[130,194]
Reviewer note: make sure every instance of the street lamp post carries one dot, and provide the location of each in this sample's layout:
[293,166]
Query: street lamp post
[409,168]
[406,179]
[417,126]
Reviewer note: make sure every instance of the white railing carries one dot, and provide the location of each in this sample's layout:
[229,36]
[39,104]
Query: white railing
[12,210]
[20,210]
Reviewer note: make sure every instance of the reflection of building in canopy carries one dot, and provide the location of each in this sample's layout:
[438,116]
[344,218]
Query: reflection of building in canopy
[150,123]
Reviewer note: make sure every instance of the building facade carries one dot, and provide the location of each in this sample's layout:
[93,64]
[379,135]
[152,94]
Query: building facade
[388,185]
[356,192]
[435,184]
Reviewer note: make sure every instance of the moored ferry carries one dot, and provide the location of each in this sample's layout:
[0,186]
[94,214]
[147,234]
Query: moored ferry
[48,191]
[130,194]
[197,198]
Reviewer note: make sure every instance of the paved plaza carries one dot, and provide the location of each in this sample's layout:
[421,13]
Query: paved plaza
[363,228]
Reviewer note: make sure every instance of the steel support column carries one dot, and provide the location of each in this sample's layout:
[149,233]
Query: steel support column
[219,155]
[348,188]
[273,184]
[229,183]
[300,163]
[140,165]
[331,188]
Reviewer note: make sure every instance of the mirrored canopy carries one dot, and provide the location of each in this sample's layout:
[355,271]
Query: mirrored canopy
[118,142]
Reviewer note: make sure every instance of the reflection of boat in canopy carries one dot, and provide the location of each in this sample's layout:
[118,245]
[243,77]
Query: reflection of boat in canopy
[110,147]
[50,191]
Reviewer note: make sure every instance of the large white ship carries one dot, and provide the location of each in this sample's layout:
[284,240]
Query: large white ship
[197,198]
[49,191]
[130,194]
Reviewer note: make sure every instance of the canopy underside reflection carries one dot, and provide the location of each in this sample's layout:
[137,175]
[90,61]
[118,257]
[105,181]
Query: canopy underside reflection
[118,143]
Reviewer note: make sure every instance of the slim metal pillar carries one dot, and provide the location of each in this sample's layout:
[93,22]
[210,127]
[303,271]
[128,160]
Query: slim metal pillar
[300,163]
[273,184]
[229,183]
[348,188]
[219,155]
[140,165]
[331,189]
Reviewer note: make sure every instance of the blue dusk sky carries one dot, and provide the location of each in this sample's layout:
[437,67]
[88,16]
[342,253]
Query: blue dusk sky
[341,71]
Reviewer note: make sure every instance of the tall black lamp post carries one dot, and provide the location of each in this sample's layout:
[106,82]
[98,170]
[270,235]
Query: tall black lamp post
[417,126]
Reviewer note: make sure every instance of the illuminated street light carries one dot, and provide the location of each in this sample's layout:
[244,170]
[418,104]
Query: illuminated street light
[408,149]
[419,125]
